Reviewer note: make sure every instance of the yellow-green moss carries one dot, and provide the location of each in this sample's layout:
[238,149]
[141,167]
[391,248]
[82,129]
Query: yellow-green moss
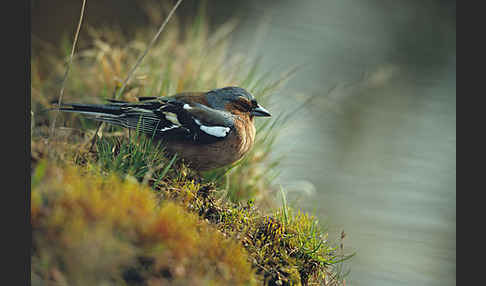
[91,229]
[284,247]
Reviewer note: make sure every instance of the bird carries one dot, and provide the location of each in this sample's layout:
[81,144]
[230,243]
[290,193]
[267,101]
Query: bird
[208,130]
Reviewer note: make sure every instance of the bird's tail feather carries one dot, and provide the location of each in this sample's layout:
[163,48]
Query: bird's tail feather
[101,109]
[99,112]
[116,114]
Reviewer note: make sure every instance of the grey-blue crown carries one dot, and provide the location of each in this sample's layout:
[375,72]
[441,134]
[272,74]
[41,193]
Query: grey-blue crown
[217,98]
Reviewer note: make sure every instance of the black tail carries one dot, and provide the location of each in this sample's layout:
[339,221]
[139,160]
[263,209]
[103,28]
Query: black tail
[125,114]
[92,109]
[110,113]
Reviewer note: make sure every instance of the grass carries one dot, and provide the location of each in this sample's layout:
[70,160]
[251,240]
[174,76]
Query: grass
[137,157]
[150,218]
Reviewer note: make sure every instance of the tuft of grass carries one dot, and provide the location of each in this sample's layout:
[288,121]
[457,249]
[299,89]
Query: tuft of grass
[136,156]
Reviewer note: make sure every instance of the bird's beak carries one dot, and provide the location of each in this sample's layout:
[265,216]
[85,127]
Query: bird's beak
[260,111]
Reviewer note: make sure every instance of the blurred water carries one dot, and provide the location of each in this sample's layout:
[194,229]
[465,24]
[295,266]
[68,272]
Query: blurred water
[380,149]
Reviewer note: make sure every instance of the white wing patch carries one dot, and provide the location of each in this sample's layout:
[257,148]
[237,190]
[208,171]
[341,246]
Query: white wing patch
[169,128]
[172,117]
[217,131]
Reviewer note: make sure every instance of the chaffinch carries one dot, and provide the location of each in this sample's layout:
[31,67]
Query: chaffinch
[207,129]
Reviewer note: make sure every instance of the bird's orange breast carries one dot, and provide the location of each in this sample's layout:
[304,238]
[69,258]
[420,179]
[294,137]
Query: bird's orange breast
[218,154]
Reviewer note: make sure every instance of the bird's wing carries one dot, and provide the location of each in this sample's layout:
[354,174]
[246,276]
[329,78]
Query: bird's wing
[207,124]
[168,117]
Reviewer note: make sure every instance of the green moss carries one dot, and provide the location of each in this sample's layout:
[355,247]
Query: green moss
[92,229]
[140,231]
[283,247]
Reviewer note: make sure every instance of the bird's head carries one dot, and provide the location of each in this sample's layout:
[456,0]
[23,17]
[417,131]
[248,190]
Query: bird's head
[235,100]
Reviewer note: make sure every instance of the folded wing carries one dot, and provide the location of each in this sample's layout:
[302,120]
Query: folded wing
[161,117]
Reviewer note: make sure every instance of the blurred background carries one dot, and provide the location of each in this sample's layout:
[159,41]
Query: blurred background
[374,153]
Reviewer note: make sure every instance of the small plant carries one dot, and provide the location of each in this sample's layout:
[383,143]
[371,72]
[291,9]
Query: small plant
[137,156]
